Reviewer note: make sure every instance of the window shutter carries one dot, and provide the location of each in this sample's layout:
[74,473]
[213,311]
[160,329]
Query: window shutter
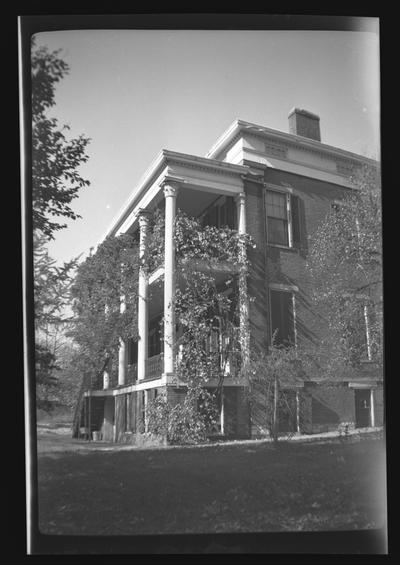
[296,220]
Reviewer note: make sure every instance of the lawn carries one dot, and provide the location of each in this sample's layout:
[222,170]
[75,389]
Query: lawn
[224,488]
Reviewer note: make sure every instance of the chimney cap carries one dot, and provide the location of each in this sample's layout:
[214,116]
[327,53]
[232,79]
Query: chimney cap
[303,112]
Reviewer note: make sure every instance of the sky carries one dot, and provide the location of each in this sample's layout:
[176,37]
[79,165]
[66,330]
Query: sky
[135,92]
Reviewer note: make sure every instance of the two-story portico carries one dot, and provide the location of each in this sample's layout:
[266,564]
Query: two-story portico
[195,185]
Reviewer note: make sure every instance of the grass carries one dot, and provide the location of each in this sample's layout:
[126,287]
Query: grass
[245,487]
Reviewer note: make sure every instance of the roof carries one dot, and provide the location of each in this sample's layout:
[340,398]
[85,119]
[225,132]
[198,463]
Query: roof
[239,126]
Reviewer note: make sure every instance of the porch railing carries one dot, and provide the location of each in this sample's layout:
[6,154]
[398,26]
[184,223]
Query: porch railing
[131,374]
[154,366]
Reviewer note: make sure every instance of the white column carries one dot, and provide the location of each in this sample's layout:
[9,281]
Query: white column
[122,350]
[222,415]
[297,412]
[372,402]
[243,297]
[121,362]
[241,212]
[170,193]
[106,380]
[143,291]
[146,401]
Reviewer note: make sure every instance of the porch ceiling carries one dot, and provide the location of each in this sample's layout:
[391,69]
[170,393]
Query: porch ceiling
[194,202]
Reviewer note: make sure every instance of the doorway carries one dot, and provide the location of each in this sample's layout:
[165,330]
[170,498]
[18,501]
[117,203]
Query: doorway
[362,399]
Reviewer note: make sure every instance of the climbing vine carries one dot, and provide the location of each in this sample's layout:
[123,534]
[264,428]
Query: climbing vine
[209,262]
[99,321]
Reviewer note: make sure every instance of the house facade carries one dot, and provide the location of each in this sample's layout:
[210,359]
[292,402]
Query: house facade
[276,187]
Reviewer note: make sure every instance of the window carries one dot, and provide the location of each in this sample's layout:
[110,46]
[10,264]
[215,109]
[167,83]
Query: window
[277,218]
[284,217]
[282,317]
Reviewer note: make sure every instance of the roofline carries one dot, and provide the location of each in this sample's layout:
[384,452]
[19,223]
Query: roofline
[240,125]
[161,160]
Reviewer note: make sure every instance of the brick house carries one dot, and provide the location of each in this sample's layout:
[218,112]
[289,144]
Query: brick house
[277,187]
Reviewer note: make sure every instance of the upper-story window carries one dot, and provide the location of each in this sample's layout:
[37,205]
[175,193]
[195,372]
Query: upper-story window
[283,218]
[277,217]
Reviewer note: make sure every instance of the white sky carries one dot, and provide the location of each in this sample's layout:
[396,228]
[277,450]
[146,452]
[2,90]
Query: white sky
[136,92]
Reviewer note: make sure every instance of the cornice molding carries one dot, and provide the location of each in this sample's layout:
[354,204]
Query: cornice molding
[213,168]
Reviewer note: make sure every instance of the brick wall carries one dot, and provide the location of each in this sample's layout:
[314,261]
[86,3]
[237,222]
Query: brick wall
[258,309]
[236,412]
[325,406]
[288,266]
[270,264]
[328,406]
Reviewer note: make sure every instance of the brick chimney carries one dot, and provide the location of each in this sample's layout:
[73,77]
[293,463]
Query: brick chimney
[304,123]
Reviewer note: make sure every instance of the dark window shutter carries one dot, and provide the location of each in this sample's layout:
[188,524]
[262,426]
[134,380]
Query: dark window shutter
[296,220]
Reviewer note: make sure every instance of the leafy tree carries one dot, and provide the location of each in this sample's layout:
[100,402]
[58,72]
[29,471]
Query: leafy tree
[56,180]
[345,264]
[51,298]
[273,376]
[104,281]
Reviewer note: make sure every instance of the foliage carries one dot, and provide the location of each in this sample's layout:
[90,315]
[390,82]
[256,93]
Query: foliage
[273,377]
[56,180]
[51,285]
[101,318]
[55,183]
[207,314]
[51,298]
[206,303]
[345,264]
[46,381]
[189,421]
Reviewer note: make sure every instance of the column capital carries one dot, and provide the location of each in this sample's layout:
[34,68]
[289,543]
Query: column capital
[240,197]
[171,186]
[143,216]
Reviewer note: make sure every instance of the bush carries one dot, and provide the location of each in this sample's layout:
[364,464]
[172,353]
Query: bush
[188,422]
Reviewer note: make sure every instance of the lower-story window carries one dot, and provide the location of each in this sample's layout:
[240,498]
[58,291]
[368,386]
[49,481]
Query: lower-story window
[282,317]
